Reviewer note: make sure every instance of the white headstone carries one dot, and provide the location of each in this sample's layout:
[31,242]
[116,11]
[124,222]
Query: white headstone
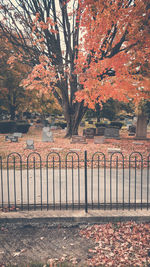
[47,135]
[29,144]
[14,139]
[113,150]
[17,135]
[8,137]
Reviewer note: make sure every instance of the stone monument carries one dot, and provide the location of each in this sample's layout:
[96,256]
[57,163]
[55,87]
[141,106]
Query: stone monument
[141,128]
[47,135]
[29,144]
[112,132]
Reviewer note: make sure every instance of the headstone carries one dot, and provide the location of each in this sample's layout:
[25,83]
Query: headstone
[113,150]
[75,149]
[8,137]
[100,131]
[138,143]
[19,135]
[99,139]
[128,123]
[132,130]
[47,135]
[112,132]
[134,120]
[141,131]
[57,148]
[89,133]
[29,144]
[14,139]
[78,139]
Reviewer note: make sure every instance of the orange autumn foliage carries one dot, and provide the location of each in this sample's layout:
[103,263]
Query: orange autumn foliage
[115,52]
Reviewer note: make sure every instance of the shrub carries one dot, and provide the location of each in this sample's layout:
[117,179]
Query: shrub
[7,126]
[22,127]
[61,124]
[116,124]
[100,124]
[14,126]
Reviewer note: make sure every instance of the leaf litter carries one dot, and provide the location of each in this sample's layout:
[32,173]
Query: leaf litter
[121,244]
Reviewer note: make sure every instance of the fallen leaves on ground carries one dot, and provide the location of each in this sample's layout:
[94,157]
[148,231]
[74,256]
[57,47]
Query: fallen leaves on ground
[62,146]
[121,244]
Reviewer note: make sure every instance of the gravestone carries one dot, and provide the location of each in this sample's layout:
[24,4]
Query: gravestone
[14,139]
[89,133]
[99,139]
[57,148]
[29,144]
[128,123]
[78,139]
[113,150]
[132,130]
[19,135]
[47,135]
[141,132]
[8,137]
[100,131]
[138,143]
[112,132]
[75,149]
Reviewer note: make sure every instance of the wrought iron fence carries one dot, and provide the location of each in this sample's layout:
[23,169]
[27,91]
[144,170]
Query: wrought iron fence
[74,181]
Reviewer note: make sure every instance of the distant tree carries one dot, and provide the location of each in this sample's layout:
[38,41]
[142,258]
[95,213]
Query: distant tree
[42,103]
[13,96]
[110,110]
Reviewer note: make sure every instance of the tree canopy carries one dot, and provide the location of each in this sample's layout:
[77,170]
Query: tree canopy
[114,57]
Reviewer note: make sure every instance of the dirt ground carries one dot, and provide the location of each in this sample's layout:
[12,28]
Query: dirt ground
[22,244]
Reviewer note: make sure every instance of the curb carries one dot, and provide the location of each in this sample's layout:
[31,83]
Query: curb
[78,220]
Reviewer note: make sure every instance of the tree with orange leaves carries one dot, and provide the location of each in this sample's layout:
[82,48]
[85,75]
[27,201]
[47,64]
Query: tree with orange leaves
[114,61]
[84,52]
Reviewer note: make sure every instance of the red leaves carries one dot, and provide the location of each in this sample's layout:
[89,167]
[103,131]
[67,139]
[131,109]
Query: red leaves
[115,38]
[120,244]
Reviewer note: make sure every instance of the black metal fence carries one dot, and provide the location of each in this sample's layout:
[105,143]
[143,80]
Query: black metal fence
[74,181]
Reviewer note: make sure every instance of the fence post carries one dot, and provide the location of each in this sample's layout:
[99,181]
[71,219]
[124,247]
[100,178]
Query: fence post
[85,169]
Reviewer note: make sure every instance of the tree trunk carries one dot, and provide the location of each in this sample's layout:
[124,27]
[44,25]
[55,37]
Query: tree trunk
[12,112]
[73,118]
[141,128]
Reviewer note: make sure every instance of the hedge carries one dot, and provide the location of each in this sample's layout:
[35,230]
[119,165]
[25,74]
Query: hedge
[14,126]
[116,124]
[63,125]
[100,124]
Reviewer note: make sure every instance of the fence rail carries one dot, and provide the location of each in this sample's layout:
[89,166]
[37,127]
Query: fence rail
[74,181]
